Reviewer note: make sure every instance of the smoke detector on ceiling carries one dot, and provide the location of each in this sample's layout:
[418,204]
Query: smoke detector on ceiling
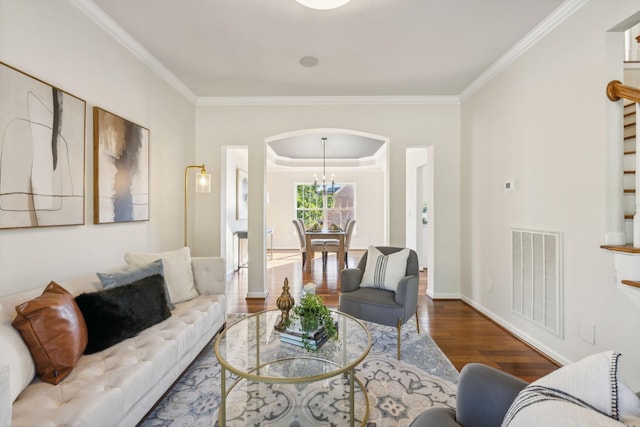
[309,61]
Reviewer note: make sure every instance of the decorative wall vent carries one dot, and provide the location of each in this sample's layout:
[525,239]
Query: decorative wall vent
[537,278]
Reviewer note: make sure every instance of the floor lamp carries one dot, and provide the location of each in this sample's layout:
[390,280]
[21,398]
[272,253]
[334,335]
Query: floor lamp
[203,185]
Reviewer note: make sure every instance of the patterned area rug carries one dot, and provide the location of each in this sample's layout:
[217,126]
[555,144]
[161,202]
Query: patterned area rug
[398,391]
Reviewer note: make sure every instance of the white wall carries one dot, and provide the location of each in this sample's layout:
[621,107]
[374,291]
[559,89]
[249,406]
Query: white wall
[404,125]
[369,210]
[543,122]
[55,42]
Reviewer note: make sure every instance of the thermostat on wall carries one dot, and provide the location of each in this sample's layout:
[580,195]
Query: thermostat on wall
[510,185]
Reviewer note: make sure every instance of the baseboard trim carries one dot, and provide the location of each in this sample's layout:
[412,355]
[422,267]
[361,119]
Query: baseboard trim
[257,295]
[442,295]
[527,339]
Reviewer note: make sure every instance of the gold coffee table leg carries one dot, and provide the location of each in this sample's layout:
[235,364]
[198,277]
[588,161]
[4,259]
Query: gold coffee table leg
[351,391]
[223,398]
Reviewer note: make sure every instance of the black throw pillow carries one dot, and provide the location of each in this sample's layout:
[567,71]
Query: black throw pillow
[113,315]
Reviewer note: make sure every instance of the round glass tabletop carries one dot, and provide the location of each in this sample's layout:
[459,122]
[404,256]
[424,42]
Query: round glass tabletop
[253,349]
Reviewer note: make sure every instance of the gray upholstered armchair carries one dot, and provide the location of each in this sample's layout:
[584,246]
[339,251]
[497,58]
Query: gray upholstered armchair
[381,306]
[483,398]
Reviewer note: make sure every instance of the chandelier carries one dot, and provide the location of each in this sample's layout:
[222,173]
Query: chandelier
[323,190]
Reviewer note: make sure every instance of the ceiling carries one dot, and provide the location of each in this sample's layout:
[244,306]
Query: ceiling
[367,48]
[341,148]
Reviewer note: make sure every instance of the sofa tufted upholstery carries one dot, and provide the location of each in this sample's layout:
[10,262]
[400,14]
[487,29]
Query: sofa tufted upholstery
[118,386]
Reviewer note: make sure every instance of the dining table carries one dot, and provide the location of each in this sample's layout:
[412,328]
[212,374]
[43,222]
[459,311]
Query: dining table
[325,234]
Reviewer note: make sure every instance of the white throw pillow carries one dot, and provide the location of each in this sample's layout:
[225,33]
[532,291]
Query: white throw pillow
[384,271]
[6,404]
[16,355]
[547,412]
[177,271]
[585,393]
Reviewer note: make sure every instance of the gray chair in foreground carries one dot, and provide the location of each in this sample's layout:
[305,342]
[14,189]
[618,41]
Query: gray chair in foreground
[483,398]
[380,305]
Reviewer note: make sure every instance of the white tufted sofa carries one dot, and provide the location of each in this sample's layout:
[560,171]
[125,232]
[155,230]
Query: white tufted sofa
[119,385]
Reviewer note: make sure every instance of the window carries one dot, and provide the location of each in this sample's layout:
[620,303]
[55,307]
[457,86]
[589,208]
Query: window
[341,204]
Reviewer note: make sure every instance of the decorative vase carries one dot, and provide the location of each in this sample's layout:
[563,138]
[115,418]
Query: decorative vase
[284,303]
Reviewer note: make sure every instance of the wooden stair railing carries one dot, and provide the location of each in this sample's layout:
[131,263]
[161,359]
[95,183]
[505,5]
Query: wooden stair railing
[616,91]
[630,132]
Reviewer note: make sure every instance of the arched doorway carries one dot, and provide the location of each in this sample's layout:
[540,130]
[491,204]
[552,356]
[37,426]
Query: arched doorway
[352,156]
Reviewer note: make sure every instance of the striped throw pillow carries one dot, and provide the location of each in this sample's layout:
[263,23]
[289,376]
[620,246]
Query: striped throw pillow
[384,271]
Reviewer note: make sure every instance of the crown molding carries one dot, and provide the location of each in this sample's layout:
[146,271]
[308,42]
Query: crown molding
[288,163]
[104,21]
[212,101]
[564,11]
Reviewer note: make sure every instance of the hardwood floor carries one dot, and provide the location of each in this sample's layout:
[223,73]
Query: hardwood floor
[463,334]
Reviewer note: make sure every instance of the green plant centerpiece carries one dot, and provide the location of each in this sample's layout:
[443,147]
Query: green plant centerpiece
[313,315]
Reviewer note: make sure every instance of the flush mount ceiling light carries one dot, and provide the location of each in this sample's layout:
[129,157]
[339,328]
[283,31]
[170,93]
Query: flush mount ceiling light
[323,4]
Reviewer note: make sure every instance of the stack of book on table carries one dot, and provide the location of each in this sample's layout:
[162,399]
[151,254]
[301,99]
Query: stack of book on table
[314,339]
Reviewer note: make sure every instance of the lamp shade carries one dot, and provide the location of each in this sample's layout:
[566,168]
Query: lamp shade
[323,4]
[203,183]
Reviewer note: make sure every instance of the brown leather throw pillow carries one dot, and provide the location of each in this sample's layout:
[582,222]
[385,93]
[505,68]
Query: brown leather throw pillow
[54,329]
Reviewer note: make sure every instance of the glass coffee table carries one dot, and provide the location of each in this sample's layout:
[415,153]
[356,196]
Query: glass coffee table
[276,383]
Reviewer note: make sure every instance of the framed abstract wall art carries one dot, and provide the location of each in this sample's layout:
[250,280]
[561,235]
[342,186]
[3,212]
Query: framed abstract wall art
[242,194]
[42,153]
[120,169]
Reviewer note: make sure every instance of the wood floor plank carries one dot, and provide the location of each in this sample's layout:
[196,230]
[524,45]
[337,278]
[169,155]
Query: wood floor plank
[464,334]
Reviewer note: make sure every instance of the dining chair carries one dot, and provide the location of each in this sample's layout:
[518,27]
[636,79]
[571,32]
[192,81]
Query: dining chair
[335,241]
[333,245]
[316,244]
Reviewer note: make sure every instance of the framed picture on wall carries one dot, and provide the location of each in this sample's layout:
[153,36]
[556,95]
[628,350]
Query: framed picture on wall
[42,140]
[120,169]
[242,194]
